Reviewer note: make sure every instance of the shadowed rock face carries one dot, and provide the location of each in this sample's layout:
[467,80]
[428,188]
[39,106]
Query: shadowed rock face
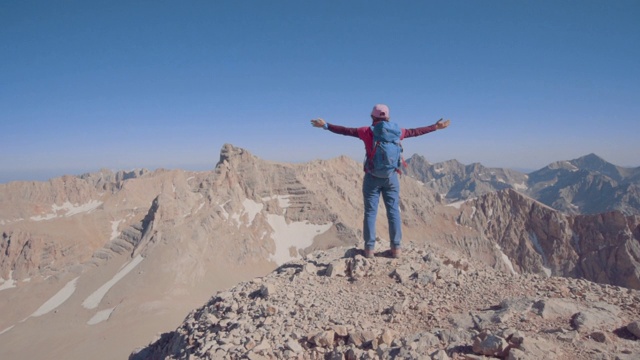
[603,248]
[338,304]
[26,254]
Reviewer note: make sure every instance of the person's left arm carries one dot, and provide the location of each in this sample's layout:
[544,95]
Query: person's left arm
[439,125]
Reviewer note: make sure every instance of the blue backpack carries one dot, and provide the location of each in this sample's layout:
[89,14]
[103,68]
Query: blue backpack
[386,156]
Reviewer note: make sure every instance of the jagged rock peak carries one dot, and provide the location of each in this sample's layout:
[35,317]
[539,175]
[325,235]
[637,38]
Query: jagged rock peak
[418,159]
[451,163]
[231,154]
[106,176]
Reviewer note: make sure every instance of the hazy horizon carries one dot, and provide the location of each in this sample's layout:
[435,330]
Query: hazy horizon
[47,174]
[123,85]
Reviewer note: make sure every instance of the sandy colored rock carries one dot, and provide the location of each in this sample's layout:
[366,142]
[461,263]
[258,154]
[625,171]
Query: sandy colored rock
[634,328]
[490,345]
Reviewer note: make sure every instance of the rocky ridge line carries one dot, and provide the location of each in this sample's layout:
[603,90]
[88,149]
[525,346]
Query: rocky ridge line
[587,185]
[337,304]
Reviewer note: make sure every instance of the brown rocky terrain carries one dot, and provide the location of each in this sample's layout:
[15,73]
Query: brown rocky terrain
[114,258]
[337,304]
[95,265]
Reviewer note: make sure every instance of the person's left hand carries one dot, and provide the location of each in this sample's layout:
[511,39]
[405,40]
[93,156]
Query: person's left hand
[318,122]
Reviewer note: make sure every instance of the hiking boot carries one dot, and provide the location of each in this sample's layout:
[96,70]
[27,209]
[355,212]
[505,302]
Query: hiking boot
[368,254]
[395,253]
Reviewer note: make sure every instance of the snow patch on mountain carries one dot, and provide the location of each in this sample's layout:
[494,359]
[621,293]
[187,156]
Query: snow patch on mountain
[58,299]
[457,204]
[93,300]
[199,207]
[7,329]
[505,259]
[283,200]
[536,245]
[9,221]
[100,316]
[520,186]
[252,208]
[224,211]
[7,284]
[114,229]
[569,166]
[292,236]
[289,237]
[67,210]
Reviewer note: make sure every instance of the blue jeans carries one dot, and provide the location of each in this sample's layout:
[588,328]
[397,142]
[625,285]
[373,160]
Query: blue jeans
[390,189]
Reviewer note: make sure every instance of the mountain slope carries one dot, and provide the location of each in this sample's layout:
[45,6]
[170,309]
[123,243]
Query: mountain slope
[179,235]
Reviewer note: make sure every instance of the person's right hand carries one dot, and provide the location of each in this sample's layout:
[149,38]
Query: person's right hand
[442,124]
[318,122]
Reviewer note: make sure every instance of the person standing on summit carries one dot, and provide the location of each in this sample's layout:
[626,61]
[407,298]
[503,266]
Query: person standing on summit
[382,166]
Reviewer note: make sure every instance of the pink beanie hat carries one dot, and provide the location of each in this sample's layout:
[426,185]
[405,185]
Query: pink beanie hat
[380,111]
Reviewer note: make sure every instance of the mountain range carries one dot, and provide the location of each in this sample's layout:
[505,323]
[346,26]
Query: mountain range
[587,185]
[93,266]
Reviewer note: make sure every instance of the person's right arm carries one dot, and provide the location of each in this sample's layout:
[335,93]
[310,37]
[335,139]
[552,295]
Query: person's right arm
[337,129]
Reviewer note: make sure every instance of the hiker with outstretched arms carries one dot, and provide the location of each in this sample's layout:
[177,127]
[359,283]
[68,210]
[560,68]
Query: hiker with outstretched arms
[382,166]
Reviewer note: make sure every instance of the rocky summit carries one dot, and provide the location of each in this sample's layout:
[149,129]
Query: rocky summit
[429,304]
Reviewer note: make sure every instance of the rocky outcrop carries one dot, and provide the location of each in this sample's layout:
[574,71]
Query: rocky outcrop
[107,180]
[339,305]
[24,255]
[535,238]
[609,248]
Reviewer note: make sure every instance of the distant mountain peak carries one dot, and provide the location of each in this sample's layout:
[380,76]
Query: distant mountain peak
[418,157]
[592,156]
[595,163]
[590,162]
[591,159]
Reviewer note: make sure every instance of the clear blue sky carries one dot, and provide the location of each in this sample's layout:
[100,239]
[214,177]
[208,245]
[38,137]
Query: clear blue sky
[86,85]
